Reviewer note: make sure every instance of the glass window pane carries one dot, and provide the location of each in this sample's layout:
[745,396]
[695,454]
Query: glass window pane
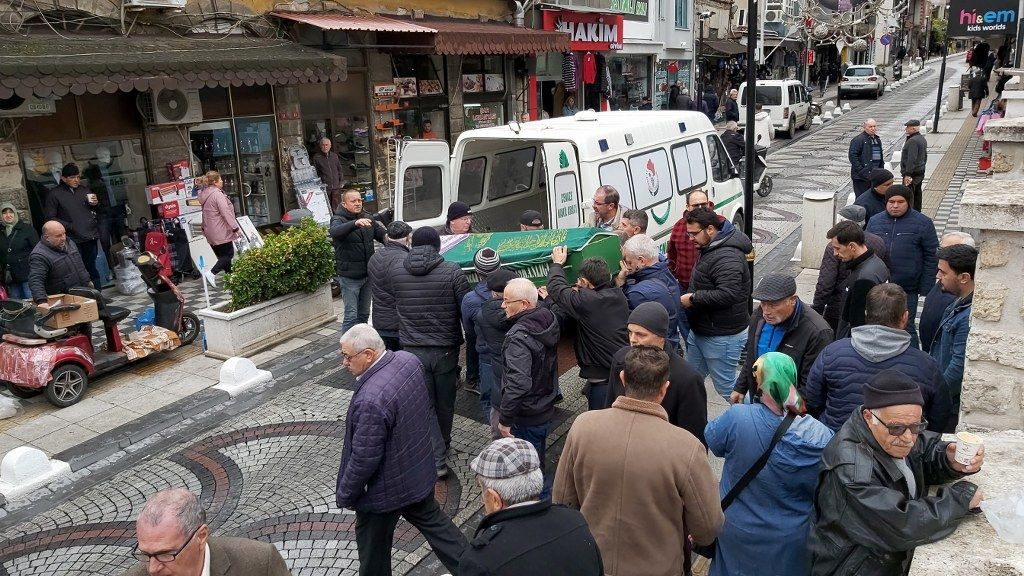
[652,183]
[614,174]
[721,165]
[680,156]
[512,172]
[421,192]
[471,180]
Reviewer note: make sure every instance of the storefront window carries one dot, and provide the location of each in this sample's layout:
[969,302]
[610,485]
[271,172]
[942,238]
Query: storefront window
[423,97]
[483,91]
[338,110]
[630,82]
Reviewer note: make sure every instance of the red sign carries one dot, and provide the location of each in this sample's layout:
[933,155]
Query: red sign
[810,57]
[591,31]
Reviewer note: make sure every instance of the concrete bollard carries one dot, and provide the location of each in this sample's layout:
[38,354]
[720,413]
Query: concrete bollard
[829,104]
[819,216]
[239,374]
[846,107]
[837,112]
[827,116]
[817,121]
[26,468]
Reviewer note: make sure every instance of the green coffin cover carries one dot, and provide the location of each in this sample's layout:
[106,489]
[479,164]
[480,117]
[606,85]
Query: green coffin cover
[529,253]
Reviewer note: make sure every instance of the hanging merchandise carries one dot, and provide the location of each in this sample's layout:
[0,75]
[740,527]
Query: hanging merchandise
[589,68]
[607,80]
[569,71]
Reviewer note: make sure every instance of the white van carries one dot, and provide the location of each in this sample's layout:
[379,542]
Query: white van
[787,101]
[554,166]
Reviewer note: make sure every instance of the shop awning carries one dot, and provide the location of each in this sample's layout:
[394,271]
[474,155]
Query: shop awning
[339,21]
[726,47]
[50,65]
[464,37]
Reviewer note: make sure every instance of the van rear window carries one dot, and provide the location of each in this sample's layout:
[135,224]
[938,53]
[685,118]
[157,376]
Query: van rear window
[421,193]
[766,95]
[471,180]
[511,172]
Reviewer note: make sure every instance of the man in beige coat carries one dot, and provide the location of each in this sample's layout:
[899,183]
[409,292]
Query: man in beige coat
[642,484]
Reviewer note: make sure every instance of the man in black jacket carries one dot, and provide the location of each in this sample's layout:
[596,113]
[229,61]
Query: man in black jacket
[873,200]
[937,300]
[523,533]
[600,310]
[328,167]
[428,295]
[872,506]
[529,384]
[379,272]
[735,143]
[686,400]
[782,323]
[55,265]
[865,155]
[353,232]
[718,298]
[866,271]
[914,159]
[732,108]
[75,206]
[492,325]
[17,239]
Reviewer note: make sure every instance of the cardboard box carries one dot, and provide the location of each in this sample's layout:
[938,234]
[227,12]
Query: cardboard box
[88,311]
[166,192]
[179,170]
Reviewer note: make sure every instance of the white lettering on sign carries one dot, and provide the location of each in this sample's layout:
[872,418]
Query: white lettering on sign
[589,31]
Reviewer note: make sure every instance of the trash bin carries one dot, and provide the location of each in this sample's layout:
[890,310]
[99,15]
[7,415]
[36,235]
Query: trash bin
[165,305]
[955,101]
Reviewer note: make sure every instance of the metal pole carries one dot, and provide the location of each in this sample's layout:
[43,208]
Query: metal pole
[942,79]
[700,54]
[751,157]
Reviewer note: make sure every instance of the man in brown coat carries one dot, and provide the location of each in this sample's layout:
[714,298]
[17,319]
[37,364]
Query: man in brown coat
[642,484]
[174,540]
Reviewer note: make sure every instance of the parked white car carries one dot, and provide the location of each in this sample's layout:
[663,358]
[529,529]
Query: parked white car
[863,80]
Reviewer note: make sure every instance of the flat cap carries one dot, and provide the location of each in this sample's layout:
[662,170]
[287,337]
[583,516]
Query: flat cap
[914,122]
[506,458]
[854,213]
[775,287]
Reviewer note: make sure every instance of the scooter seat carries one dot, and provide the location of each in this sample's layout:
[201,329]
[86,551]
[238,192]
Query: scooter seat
[117,313]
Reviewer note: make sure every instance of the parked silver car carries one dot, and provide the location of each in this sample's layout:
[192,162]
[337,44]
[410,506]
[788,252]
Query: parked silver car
[867,80]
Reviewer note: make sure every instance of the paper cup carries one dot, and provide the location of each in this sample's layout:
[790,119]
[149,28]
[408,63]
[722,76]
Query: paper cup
[967,446]
[93,199]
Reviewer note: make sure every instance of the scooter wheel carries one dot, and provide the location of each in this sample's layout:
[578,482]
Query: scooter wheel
[22,392]
[67,386]
[189,328]
[766,187]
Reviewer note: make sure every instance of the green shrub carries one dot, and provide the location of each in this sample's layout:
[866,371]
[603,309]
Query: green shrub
[297,259]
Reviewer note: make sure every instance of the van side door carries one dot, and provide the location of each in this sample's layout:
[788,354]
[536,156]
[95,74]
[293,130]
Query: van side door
[562,180]
[423,182]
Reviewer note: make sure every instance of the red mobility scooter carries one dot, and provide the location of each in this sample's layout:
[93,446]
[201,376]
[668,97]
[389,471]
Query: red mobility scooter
[58,362]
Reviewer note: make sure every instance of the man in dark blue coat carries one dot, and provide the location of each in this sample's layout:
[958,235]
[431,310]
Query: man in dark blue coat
[479,377]
[645,277]
[386,465]
[911,243]
[873,200]
[865,155]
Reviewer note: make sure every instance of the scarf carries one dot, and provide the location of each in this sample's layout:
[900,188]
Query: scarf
[8,228]
[776,376]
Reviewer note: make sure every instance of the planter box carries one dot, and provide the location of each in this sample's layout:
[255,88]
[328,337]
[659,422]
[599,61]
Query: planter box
[249,330]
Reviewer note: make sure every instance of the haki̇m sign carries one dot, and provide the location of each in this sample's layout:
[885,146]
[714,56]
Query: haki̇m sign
[983,17]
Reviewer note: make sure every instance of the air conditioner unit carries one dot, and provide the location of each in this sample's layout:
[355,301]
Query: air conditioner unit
[162,4]
[16,106]
[773,16]
[171,106]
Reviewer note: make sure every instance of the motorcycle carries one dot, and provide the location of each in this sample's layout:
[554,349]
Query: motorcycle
[763,182]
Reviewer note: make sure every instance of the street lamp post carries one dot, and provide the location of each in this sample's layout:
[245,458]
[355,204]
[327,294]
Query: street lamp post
[699,68]
[748,184]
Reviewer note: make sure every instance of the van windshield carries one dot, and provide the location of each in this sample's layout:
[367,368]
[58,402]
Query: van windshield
[766,95]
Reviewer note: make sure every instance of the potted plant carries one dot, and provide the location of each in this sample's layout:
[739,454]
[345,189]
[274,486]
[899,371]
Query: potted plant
[278,290]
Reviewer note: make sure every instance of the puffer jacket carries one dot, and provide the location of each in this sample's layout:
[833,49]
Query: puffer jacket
[428,295]
[836,382]
[380,271]
[601,316]
[913,247]
[491,326]
[353,246]
[53,271]
[219,222]
[720,285]
[529,384]
[948,350]
[864,522]
[655,283]
[16,248]
[387,461]
[470,309]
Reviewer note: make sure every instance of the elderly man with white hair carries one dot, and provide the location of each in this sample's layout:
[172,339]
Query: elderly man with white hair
[529,382]
[523,533]
[644,277]
[174,540]
[735,143]
[387,463]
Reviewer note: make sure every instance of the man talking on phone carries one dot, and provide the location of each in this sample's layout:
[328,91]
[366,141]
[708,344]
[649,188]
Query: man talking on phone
[75,206]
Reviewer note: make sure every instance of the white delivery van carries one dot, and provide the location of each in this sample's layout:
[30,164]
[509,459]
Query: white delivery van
[554,166]
[787,101]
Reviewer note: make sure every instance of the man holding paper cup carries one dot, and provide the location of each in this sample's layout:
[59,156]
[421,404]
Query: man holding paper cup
[75,206]
[872,506]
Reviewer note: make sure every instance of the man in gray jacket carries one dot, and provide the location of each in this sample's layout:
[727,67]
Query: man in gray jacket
[914,159]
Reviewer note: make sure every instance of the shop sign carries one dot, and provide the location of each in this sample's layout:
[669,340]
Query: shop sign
[385,90]
[588,31]
[983,17]
[484,115]
[632,9]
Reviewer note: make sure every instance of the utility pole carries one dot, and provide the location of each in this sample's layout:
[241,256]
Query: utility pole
[751,156]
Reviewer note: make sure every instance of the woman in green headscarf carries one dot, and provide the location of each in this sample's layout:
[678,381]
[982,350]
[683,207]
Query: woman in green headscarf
[766,526]
[16,242]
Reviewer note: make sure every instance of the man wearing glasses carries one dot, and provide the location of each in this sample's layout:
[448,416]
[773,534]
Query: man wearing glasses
[607,212]
[682,253]
[174,540]
[872,506]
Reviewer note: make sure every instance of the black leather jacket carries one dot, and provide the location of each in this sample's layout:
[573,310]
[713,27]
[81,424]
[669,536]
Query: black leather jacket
[864,521]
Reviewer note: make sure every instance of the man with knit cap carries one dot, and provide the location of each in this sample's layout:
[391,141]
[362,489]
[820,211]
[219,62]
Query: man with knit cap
[872,506]
[379,271]
[873,199]
[686,400]
[428,295]
[478,369]
[912,243]
[458,221]
[600,310]
[781,323]
[75,206]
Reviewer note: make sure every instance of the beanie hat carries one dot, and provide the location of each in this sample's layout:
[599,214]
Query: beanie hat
[69,170]
[457,210]
[486,260]
[500,278]
[900,190]
[651,316]
[891,388]
[398,230]
[426,236]
[879,176]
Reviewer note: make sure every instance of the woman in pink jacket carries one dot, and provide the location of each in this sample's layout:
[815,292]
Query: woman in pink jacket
[219,224]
